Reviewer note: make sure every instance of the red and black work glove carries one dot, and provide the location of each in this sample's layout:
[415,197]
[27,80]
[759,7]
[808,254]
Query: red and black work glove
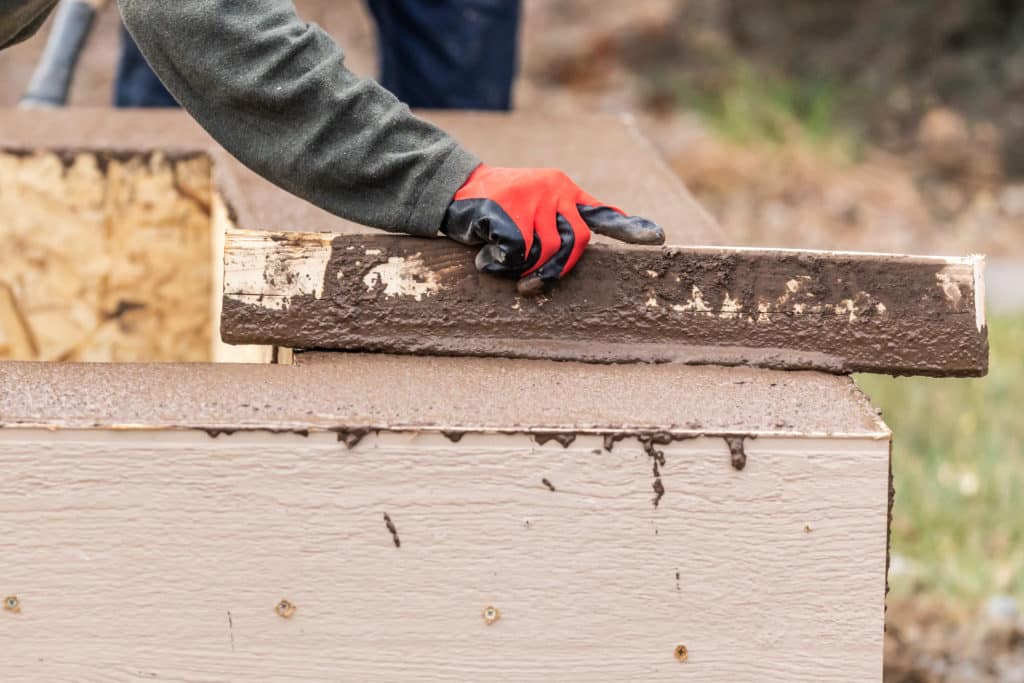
[535,222]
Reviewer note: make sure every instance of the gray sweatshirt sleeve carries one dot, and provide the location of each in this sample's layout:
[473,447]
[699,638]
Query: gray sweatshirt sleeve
[19,19]
[274,91]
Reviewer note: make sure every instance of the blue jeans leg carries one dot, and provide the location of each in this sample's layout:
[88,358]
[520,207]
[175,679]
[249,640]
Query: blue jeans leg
[448,54]
[135,84]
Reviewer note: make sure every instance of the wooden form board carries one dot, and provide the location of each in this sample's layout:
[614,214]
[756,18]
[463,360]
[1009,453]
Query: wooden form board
[155,515]
[165,555]
[838,312]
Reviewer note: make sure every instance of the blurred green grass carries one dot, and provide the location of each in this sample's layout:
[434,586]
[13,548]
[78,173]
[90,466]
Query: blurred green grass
[958,463]
[752,106]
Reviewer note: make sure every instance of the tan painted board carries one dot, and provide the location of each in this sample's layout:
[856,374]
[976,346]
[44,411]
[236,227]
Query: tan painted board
[162,555]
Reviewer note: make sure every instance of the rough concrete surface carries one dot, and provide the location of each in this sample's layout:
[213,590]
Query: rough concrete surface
[839,312]
[352,392]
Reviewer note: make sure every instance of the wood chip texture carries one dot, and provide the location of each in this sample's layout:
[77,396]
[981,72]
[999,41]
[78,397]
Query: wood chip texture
[106,258]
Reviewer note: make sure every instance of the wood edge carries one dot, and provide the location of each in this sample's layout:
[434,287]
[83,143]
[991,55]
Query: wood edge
[876,414]
[301,428]
[978,271]
[238,239]
[222,224]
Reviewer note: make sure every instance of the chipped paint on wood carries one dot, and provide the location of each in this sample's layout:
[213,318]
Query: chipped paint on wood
[796,300]
[949,283]
[402,276]
[954,280]
[695,304]
[272,274]
[731,308]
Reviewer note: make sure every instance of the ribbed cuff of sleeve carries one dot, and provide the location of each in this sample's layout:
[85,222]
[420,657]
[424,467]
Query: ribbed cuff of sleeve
[429,209]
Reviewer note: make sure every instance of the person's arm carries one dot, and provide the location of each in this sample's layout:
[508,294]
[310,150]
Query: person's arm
[20,19]
[274,91]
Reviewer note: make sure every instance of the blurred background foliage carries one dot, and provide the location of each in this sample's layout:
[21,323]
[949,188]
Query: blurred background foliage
[958,463]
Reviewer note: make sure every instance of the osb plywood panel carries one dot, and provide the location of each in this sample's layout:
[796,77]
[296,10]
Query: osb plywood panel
[105,258]
[162,556]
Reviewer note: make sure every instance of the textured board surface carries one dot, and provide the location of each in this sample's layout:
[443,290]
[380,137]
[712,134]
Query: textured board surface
[832,311]
[352,393]
[162,556]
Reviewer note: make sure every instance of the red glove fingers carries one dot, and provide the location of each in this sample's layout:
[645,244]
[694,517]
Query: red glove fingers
[535,221]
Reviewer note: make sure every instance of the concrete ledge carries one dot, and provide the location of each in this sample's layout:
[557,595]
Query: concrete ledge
[359,392]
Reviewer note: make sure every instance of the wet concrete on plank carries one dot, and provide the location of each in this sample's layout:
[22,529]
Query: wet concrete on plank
[790,310]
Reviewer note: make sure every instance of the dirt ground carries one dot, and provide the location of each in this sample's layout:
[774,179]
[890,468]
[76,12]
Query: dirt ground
[917,147]
[926,642]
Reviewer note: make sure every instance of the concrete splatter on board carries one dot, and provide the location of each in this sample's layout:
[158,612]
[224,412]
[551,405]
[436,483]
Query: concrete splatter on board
[737,451]
[564,439]
[394,530]
[272,276]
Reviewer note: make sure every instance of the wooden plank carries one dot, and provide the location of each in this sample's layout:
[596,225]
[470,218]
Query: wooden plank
[220,225]
[791,309]
[142,554]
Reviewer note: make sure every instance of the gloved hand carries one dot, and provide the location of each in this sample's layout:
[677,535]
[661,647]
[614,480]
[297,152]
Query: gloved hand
[535,222]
